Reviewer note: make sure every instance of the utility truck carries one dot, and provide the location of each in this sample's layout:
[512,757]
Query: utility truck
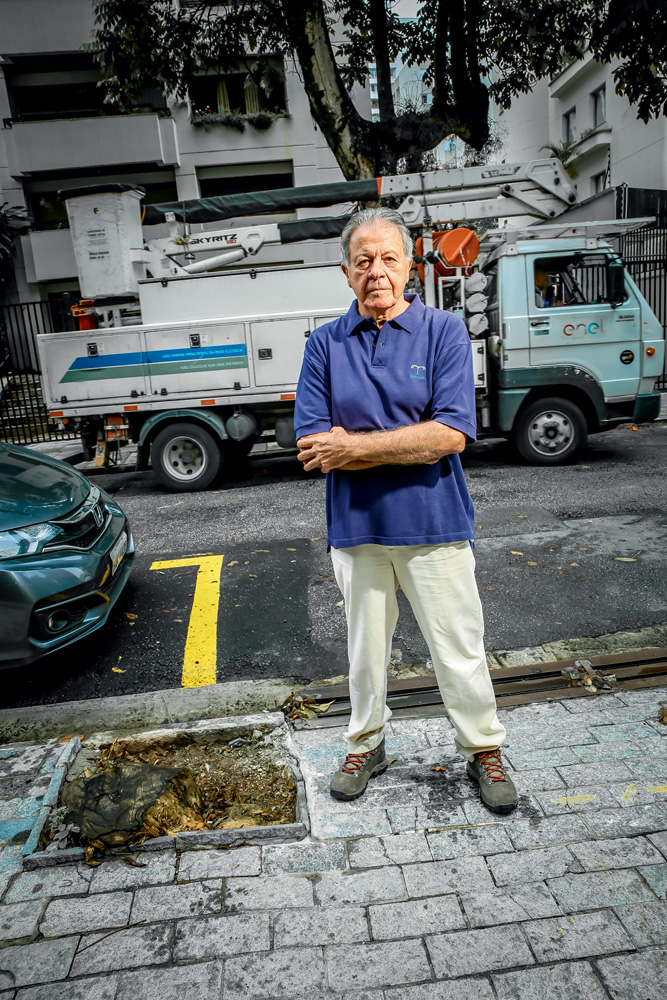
[564,344]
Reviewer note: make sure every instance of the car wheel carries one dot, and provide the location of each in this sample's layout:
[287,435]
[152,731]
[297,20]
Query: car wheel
[186,457]
[550,431]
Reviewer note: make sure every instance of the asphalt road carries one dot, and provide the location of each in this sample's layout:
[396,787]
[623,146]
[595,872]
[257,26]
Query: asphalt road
[561,552]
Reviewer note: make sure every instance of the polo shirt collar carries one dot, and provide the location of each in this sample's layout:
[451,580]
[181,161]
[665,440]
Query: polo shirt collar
[408,320]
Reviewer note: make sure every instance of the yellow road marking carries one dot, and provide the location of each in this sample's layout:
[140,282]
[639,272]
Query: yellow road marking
[567,800]
[200,659]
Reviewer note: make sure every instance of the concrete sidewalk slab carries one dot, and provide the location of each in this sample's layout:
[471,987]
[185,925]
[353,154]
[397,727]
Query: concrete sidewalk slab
[461,904]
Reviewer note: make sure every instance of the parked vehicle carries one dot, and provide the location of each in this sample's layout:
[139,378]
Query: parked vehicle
[216,359]
[66,553]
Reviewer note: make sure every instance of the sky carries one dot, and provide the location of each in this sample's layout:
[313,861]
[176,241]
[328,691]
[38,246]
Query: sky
[406,8]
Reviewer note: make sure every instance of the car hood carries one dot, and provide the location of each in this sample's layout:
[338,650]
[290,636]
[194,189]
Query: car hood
[35,487]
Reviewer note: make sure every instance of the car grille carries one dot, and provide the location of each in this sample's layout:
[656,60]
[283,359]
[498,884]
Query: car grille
[83,527]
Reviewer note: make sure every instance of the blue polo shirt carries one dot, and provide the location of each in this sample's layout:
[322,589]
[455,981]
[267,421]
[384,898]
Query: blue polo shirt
[416,367]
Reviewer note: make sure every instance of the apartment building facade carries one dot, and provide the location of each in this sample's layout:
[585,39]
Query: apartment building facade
[608,147]
[57,133]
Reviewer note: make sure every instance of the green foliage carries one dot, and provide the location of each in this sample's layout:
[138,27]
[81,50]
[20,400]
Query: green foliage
[12,221]
[471,50]
[566,152]
[232,119]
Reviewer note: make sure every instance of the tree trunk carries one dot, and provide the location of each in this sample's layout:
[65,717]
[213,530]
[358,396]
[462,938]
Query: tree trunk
[378,16]
[367,149]
[342,126]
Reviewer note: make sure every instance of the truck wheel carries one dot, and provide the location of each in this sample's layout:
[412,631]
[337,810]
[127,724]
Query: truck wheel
[185,457]
[550,431]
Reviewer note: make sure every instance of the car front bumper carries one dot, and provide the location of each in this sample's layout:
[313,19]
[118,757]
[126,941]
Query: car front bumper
[73,586]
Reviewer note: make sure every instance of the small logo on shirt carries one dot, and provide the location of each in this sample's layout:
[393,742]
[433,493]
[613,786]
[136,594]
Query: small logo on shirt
[417,371]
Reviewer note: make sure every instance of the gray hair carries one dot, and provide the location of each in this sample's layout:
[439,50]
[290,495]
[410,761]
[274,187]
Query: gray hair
[368,217]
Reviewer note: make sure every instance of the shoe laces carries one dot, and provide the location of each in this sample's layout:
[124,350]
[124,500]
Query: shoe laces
[353,761]
[492,763]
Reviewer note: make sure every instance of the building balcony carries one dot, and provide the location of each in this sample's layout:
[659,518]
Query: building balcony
[597,139]
[77,143]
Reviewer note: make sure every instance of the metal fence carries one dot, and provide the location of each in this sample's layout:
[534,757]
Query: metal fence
[23,416]
[644,253]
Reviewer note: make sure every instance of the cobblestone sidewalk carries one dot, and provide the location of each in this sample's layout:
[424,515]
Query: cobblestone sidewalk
[414,892]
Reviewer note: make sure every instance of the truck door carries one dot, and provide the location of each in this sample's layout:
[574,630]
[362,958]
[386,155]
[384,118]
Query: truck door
[571,321]
[277,348]
[196,358]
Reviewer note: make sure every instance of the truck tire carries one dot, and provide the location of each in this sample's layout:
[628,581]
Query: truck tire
[550,431]
[186,457]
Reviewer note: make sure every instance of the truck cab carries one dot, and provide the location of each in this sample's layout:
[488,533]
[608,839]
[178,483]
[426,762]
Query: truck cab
[574,346]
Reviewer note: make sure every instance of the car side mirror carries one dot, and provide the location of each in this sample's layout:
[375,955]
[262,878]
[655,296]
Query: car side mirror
[615,282]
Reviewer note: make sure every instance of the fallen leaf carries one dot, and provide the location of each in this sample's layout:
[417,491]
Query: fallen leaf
[548,550]
[134,863]
[260,550]
[624,559]
[252,576]
[663,716]
[117,670]
[574,564]
[239,539]
[339,604]
[234,562]
[516,553]
[130,616]
[523,515]
[489,588]
[319,537]
[438,768]
[532,563]
[391,760]
[234,824]
[291,550]
[66,739]
[583,548]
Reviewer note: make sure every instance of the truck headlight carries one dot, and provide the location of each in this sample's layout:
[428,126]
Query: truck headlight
[26,541]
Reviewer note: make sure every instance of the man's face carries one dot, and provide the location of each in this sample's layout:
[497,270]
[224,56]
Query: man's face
[378,270]
[541,280]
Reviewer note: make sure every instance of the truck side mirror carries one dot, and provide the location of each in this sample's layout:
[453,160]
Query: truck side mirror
[615,282]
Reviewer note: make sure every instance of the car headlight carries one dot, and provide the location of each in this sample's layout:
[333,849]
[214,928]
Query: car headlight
[26,541]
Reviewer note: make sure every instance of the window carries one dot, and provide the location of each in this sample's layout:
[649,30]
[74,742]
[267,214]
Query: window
[424,98]
[599,182]
[599,102]
[576,279]
[570,126]
[247,91]
[240,178]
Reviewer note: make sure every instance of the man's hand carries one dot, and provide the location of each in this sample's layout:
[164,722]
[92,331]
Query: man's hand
[329,450]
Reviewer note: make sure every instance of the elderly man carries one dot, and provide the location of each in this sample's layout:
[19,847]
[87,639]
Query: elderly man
[384,404]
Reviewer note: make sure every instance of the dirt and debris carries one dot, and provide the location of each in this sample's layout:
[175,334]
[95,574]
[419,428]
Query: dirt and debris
[119,795]
[583,674]
[298,707]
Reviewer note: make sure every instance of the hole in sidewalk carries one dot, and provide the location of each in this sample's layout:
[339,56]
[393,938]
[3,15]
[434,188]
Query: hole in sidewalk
[135,789]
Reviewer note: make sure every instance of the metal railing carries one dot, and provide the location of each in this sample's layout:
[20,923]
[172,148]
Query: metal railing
[644,254]
[24,417]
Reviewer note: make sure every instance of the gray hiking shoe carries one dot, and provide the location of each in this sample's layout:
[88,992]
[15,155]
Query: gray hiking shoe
[350,780]
[495,785]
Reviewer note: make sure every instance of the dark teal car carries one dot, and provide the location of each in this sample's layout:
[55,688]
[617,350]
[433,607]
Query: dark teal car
[66,553]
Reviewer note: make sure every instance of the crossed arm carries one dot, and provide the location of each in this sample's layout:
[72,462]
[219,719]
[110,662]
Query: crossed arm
[417,444]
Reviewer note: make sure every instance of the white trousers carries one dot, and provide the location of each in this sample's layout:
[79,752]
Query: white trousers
[439,582]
